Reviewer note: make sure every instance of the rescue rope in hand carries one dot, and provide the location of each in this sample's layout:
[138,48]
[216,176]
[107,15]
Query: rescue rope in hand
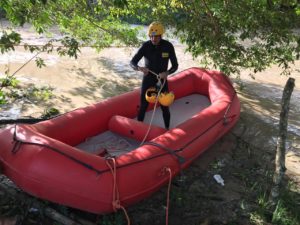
[155,105]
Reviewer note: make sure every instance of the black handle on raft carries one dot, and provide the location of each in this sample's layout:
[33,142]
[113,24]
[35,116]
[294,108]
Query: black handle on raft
[180,159]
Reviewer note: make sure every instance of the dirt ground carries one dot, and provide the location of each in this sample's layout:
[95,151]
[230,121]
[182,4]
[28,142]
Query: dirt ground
[244,157]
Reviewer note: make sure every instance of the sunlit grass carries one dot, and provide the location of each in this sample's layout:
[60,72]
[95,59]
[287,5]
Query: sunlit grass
[287,211]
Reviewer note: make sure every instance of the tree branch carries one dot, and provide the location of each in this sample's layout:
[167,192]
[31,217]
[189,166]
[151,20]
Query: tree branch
[210,13]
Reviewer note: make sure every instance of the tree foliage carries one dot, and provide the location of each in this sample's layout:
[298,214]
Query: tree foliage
[232,34]
[82,23]
[229,35]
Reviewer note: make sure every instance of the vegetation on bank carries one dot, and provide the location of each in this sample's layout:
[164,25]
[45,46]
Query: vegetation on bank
[228,35]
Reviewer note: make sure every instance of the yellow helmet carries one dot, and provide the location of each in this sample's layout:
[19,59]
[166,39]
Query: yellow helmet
[156,28]
[151,95]
[166,99]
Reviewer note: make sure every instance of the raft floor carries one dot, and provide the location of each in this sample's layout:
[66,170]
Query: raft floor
[181,110]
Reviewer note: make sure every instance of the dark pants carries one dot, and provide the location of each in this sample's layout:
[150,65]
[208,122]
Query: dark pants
[151,81]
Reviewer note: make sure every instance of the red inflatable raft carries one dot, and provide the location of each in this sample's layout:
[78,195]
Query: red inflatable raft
[92,158]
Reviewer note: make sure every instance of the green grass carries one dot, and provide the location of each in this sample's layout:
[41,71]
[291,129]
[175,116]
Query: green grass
[287,211]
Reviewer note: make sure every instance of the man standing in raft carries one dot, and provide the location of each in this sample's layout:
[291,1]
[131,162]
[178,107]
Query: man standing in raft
[156,52]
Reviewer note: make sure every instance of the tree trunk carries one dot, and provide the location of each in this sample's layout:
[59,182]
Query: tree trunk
[281,144]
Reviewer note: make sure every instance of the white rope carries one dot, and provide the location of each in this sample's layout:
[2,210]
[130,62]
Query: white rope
[154,109]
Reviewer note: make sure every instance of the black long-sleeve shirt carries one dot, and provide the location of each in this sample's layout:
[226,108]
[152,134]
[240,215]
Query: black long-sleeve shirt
[156,57]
